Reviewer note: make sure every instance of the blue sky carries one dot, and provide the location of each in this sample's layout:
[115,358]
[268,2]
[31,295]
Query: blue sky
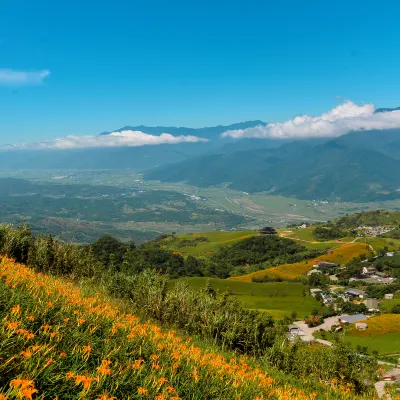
[189,63]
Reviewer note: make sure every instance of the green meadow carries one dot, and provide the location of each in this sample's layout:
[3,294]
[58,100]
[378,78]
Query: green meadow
[389,343]
[215,240]
[277,298]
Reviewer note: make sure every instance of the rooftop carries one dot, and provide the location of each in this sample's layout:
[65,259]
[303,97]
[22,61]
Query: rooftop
[353,318]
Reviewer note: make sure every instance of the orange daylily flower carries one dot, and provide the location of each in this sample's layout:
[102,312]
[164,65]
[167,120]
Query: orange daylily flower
[142,391]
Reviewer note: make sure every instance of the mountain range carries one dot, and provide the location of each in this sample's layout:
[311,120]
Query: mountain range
[358,166]
[136,158]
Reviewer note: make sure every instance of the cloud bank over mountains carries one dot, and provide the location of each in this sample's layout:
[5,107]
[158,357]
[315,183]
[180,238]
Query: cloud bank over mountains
[114,139]
[340,120]
[12,77]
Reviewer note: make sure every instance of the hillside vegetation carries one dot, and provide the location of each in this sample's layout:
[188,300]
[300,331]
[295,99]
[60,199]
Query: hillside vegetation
[84,342]
[204,243]
[58,343]
[278,299]
[368,218]
[337,169]
[342,254]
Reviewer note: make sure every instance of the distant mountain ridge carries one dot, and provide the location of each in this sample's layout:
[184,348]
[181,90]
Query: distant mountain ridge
[136,158]
[359,166]
[208,132]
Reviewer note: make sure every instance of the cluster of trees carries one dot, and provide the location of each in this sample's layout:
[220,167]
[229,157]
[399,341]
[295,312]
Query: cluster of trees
[269,249]
[328,233]
[366,218]
[128,272]
[379,291]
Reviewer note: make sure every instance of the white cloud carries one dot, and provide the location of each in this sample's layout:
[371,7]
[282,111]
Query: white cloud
[340,120]
[115,139]
[20,78]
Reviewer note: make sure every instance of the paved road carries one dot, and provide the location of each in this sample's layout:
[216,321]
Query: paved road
[327,325]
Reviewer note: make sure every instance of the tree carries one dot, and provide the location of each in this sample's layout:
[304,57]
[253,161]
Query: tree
[107,245]
[396,309]
[268,230]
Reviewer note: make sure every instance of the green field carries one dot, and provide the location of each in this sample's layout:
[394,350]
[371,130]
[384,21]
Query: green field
[389,343]
[306,237]
[379,243]
[306,234]
[387,305]
[277,298]
[214,241]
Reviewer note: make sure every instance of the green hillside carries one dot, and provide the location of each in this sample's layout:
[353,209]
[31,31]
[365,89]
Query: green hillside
[204,243]
[278,298]
[311,169]
[368,218]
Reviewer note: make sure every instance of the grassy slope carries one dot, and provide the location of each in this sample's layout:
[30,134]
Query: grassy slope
[382,335]
[277,298]
[340,254]
[59,342]
[215,241]
[379,243]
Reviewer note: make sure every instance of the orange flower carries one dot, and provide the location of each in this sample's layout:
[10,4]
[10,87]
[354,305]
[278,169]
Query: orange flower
[70,375]
[3,397]
[46,327]
[12,325]
[22,383]
[142,391]
[25,386]
[85,380]
[104,368]
[87,350]
[29,336]
[16,309]
[28,392]
[30,318]
[49,361]
[162,381]
[170,389]
[26,353]
[137,364]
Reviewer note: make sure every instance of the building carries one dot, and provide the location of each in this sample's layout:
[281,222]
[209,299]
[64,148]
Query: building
[333,278]
[313,271]
[362,326]
[327,264]
[352,292]
[389,296]
[351,319]
[372,304]
[358,277]
[368,270]
[314,292]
